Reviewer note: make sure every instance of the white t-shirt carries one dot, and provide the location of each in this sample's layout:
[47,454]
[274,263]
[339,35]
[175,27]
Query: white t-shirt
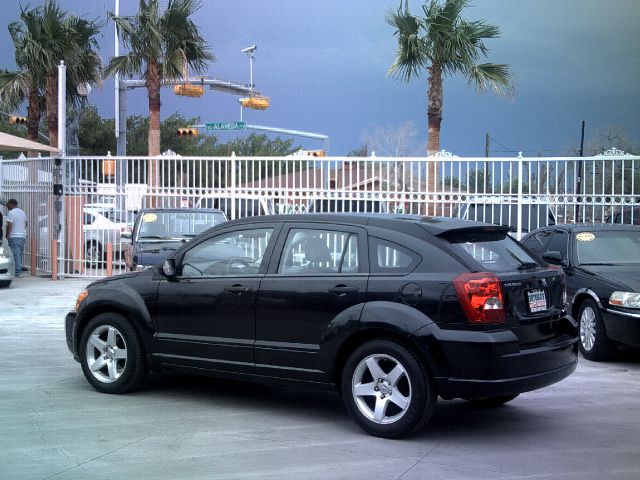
[18,221]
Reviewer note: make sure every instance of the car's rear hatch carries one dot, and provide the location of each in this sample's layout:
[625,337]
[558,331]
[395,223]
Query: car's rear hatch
[532,292]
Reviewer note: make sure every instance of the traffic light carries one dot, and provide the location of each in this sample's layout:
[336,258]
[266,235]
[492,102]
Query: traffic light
[255,102]
[189,90]
[17,120]
[187,132]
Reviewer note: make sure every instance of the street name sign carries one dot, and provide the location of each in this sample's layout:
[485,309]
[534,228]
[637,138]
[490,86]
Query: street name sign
[226,126]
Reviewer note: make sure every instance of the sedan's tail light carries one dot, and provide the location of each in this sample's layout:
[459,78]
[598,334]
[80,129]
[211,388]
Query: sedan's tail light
[481,297]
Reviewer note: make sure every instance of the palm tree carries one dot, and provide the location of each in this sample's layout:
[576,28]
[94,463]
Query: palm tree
[161,46]
[45,36]
[442,43]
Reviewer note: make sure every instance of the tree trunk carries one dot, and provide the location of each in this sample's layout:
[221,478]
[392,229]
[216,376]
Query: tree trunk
[153,89]
[51,99]
[434,118]
[33,115]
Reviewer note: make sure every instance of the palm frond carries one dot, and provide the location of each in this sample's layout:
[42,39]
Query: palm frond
[497,78]
[412,55]
[131,63]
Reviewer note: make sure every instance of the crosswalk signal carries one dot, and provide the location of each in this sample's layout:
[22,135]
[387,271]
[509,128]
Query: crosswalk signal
[187,132]
[17,120]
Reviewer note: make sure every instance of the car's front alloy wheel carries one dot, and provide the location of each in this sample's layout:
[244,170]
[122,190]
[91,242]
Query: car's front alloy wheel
[111,354]
[387,390]
[594,343]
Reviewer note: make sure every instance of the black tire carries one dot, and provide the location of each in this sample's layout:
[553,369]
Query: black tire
[94,255]
[5,284]
[594,343]
[413,388]
[491,402]
[117,374]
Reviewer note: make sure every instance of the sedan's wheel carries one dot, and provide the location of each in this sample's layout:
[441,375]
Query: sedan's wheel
[387,390]
[594,343]
[111,354]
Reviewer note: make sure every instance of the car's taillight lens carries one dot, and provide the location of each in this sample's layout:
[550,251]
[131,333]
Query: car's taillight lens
[481,297]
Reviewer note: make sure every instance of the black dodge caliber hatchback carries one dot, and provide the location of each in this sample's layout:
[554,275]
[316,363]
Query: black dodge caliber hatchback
[392,311]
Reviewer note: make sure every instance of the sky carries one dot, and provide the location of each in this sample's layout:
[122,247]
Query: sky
[324,65]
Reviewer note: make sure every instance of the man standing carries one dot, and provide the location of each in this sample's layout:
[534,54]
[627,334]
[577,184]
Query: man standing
[16,232]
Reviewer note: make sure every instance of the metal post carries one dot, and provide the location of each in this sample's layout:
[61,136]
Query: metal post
[579,184]
[519,220]
[62,108]
[116,53]
[62,144]
[233,185]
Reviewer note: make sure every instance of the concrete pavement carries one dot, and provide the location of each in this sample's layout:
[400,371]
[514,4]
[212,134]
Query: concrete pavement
[54,425]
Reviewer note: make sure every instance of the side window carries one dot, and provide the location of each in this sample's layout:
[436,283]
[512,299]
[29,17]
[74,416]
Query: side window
[228,254]
[537,241]
[388,257]
[319,251]
[559,243]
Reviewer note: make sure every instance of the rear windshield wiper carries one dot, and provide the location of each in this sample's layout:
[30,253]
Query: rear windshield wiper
[528,266]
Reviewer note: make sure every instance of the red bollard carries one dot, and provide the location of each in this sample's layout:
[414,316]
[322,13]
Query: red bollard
[54,260]
[109,259]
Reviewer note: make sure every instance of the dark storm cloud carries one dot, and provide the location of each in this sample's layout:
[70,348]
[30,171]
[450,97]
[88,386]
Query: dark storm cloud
[324,65]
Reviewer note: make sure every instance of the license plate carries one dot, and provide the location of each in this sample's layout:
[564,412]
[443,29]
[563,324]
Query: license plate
[537,301]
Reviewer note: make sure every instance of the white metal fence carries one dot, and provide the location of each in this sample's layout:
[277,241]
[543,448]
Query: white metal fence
[102,194]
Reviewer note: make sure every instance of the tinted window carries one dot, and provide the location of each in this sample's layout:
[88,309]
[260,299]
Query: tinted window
[537,241]
[388,257]
[496,254]
[234,253]
[559,243]
[309,251]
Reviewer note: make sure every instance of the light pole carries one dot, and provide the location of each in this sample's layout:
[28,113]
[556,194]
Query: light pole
[250,54]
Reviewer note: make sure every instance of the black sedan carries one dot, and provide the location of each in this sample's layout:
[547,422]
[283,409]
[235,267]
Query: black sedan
[391,311]
[602,264]
[158,232]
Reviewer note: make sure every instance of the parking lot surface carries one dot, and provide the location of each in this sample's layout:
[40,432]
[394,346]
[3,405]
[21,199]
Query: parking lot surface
[54,425]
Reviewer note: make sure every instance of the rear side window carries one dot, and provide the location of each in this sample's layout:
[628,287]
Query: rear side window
[537,241]
[309,251]
[496,253]
[388,257]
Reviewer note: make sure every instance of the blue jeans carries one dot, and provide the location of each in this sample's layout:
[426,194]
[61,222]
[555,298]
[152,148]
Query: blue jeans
[16,244]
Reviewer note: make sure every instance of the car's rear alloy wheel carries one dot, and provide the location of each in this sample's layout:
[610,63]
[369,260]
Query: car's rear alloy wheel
[387,390]
[111,354]
[594,343]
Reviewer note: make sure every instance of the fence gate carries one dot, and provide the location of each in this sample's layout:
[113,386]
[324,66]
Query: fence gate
[30,182]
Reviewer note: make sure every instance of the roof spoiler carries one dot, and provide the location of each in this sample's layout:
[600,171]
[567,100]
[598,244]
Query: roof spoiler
[455,228]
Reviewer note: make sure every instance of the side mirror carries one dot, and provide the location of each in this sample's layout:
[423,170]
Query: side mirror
[125,237]
[169,268]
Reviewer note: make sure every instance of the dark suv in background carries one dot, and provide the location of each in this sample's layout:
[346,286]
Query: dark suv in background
[392,311]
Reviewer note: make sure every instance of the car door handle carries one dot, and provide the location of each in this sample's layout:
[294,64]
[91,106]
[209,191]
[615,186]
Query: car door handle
[238,289]
[342,290]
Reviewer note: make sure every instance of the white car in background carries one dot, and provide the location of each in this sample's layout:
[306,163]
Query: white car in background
[101,227]
[7,265]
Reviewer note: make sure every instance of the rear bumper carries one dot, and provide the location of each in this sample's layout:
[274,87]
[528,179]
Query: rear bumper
[485,364]
[622,327]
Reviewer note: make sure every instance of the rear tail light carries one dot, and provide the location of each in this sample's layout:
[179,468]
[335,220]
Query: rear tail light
[481,297]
